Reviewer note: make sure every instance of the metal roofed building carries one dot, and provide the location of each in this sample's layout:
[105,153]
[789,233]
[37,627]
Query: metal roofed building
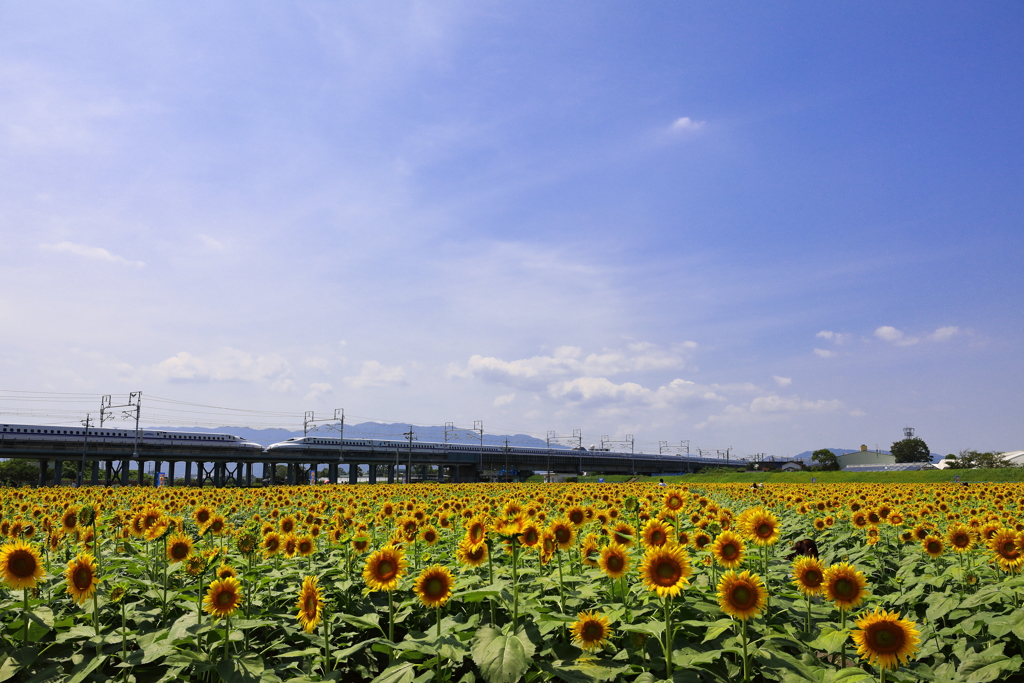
[865,457]
[894,467]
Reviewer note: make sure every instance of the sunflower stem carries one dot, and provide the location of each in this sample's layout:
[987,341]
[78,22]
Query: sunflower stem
[807,622]
[391,627]
[227,636]
[561,586]
[437,665]
[842,627]
[746,660]
[25,615]
[668,637]
[515,585]
[327,644]
[490,574]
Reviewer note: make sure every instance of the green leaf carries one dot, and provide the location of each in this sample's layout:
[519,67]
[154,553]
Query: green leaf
[79,673]
[501,658]
[404,672]
[982,668]
[654,628]
[941,607]
[850,675]
[16,661]
[364,622]
[829,640]
[245,669]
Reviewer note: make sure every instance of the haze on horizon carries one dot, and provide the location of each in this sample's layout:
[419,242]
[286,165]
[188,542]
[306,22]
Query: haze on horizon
[775,228]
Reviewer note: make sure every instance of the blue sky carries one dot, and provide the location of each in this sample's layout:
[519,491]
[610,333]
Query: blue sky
[770,227]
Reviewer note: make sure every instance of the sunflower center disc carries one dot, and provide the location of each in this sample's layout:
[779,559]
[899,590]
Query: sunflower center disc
[385,567]
[224,598]
[729,551]
[764,530]
[741,595]
[434,587]
[82,578]
[844,588]
[665,570]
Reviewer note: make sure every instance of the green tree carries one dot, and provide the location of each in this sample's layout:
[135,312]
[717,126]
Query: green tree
[826,460]
[15,472]
[969,459]
[911,450]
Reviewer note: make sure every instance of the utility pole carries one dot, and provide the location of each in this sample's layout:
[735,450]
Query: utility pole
[453,433]
[408,467]
[134,406]
[552,437]
[506,449]
[80,479]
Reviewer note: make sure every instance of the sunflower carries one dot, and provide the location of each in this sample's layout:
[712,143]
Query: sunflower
[20,564]
[226,571]
[548,546]
[360,543]
[434,586]
[290,545]
[201,515]
[701,539]
[195,565]
[614,560]
[476,530]
[217,525]
[590,631]
[81,577]
[383,568]
[286,524]
[741,595]
[223,597]
[728,549]
[1003,544]
[179,547]
[666,570]
[884,639]
[564,533]
[762,527]
[845,586]
[674,500]
[933,545]
[271,544]
[530,536]
[576,515]
[960,537]
[656,533]
[305,546]
[310,604]
[589,552]
[808,575]
[471,555]
[623,534]
[69,520]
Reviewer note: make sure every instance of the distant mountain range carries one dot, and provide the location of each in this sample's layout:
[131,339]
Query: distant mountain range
[366,430]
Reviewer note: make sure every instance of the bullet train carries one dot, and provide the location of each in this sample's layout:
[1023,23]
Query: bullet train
[101,435]
[300,444]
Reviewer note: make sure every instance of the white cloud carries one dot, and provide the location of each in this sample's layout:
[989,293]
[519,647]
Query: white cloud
[212,244]
[283,386]
[944,333]
[316,363]
[318,390]
[224,365]
[374,374]
[834,337]
[504,399]
[97,253]
[782,381]
[894,336]
[770,408]
[569,360]
[824,353]
[686,123]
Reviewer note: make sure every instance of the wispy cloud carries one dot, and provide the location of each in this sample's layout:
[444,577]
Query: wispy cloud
[96,253]
[375,374]
[318,390]
[685,123]
[782,381]
[824,353]
[224,365]
[894,336]
[834,337]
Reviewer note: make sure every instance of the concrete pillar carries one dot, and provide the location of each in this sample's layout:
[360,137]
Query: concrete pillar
[44,466]
[291,473]
[332,473]
[142,473]
[373,474]
[218,475]
[156,469]
[248,473]
[95,472]
[58,469]
[273,474]
[110,472]
[188,473]
[170,473]
[391,474]
[125,469]
[353,473]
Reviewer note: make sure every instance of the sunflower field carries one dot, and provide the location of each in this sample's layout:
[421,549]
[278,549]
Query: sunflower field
[500,583]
